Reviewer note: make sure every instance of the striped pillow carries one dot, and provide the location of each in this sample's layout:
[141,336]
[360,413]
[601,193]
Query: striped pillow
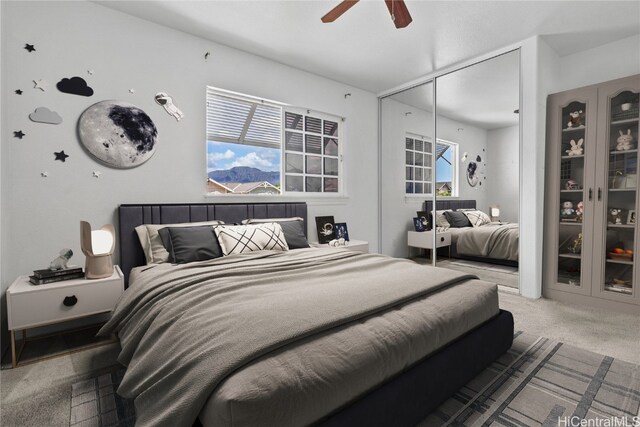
[476,217]
[237,239]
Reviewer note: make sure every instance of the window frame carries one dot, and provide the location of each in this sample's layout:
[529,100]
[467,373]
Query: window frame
[454,146]
[305,112]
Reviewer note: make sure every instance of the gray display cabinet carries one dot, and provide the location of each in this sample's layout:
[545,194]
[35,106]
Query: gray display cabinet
[591,232]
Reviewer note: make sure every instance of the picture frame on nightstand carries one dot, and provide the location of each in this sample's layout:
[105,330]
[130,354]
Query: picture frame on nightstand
[341,231]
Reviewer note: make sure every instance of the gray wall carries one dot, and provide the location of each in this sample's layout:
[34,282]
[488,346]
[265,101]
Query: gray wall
[41,215]
[503,175]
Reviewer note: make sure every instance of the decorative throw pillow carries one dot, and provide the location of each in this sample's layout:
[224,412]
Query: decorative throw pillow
[154,250]
[477,218]
[457,219]
[236,239]
[189,244]
[293,229]
[441,219]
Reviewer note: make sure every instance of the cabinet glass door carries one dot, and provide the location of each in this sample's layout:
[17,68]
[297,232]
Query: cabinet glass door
[621,193]
[573,152]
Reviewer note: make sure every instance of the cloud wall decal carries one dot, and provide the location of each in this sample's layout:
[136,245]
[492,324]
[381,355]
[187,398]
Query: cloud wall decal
[74,86]
[44,115]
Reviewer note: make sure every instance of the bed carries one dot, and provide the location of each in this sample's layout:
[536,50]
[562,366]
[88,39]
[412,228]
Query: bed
[377,352]
[496,243]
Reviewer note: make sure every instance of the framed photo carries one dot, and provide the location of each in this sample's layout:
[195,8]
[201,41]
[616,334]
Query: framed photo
[341,231]
[425,217]
[417,224]
[326,229]
[631,218]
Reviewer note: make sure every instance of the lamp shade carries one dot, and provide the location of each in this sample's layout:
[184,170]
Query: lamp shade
[495,212]
[97,246]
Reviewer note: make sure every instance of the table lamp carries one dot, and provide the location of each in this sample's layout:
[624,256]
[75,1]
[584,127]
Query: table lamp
[495,214]
[97,246]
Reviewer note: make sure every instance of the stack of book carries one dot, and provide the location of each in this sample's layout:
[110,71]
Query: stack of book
[41,277]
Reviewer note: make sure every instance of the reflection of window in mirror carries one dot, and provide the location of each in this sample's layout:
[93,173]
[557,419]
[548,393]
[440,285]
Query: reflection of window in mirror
[418,166]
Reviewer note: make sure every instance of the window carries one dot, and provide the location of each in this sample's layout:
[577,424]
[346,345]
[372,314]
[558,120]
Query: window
[253,144]
[418,169]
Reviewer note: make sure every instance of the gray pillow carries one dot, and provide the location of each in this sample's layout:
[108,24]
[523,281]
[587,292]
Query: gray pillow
[189,244]
[457,219]
[293,229]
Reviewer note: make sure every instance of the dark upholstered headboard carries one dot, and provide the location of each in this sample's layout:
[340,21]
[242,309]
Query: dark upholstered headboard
[450,204]
[131,216]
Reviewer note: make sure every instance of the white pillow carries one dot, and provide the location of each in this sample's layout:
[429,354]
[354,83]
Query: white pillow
[237,239]
[154,250]
[477,218]
[441,220]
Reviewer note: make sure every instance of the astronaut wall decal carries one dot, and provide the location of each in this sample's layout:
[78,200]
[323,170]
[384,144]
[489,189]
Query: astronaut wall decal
[166,101]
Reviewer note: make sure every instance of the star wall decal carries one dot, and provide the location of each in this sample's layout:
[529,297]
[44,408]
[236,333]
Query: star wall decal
[61,156]
[18,92]
[29,47]
[132,91]
[44,174]
[18,134]
[90,72]
[41,84]
[96,174]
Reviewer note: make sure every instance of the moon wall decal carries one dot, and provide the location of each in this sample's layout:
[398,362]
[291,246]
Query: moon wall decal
[118,134]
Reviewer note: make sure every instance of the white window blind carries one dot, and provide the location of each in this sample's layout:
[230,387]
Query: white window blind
[243,121]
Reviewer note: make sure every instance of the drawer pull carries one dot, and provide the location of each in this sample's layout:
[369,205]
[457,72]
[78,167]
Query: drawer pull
[70,301]
[442,239]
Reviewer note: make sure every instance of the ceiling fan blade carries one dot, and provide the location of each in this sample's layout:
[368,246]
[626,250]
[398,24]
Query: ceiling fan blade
[399,13]
[337,11]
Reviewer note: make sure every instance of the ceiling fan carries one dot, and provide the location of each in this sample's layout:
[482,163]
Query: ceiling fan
[397,9]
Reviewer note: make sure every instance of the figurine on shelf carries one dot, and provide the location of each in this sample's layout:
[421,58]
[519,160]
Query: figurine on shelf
[614,216]
[60,263]
[625,141]
[579,211]
[576,148]
[571,185]
[567,210]
[575,119]
[576,247]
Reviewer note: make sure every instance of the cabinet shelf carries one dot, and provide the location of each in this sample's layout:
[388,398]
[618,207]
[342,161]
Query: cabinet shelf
[622,189]
[569,255]
[572,157]
[574,129]
[626,291]
[619,261]
[571,191]
[573,223]
[629,226]
[624,122]
[616,152]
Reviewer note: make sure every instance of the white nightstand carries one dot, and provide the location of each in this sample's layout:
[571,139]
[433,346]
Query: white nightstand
[30,306]
[354,245]
[424,239]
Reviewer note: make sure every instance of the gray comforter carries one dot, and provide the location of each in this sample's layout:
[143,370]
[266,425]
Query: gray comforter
[498,241]
[185,329]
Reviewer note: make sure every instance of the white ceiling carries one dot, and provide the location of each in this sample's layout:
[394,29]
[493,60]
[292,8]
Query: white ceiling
[365,50]
[483,95]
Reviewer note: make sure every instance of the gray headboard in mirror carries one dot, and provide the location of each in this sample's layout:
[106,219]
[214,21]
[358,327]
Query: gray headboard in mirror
[130,216]
[450,204]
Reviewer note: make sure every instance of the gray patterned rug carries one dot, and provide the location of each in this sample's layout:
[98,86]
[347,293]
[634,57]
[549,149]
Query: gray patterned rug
[538,382]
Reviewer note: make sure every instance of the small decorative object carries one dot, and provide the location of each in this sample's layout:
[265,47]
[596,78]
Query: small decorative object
[621,254]
[341,231]
[97,246]
[626,106]
[44,174]
[631,219]
[61,156]
[495,214]
[60,263]
[575,119]
[615,182]
[464,157]
[571,185]
[576,246]
[167,102]
[325,228]
[425,218]
[96,174]
[75,86]
[567,213]
[579,211]
[18,134]
[418,225]
[631,181]
[472,178]
[118,133]
[90,72]
[338,242]
[625,141]
[614,216]
[41,84]
[44,115]
[29,47]
[576,148]
[18,92]
[206,56]
[132,91]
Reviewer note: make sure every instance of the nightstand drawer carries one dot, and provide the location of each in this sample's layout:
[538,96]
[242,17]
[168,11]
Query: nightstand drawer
[30,306]
[443,239]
